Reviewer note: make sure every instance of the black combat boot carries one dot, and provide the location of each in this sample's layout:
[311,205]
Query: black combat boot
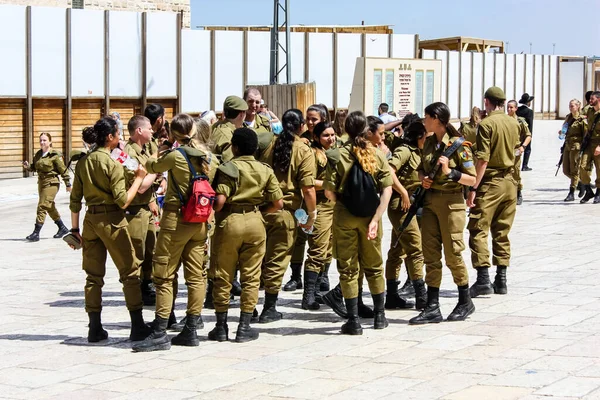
[139,329]
[420,294]
[324,285]
[407,290]
[208,300]
[500,280]
[35,235]
[482,285]
[178,327]
[308,297]
[589,194]
[581,188]
[295,281]
[148,293]
[352,326]
[172,321]
[393,301]
[158,339]
[465,306]
[95,332]
[62,229]
[379,321]
[364,311]
[597,196]
[519,198]
[431,313]
[571,195]
[188,336]
[236,288]
[244,332]
[269,312]
[335,300]
[221,331]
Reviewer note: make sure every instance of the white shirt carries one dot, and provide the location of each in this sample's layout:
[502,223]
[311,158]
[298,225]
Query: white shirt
[387,118]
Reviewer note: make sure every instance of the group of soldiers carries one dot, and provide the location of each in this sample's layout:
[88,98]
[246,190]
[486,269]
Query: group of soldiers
[275,192]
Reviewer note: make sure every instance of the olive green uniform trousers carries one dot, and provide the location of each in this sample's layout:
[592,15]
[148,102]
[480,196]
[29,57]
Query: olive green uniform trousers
[107,230]
[408,248]
[179,242]
[150,245]
[137,225]
[46,203]
[354,252]
[443,223]
[281,233]
[239,240]
[571,166]
[517,172]
[320,243]
[495,209]
[588,160]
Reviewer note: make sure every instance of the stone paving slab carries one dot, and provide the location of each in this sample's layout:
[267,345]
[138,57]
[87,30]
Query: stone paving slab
[541,341]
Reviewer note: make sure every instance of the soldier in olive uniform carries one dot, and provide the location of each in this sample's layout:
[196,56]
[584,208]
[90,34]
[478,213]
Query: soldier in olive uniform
[101,181]
[469,130]
[234,111]
[493,197]
[139,214]
[178,242]
[524,140]
[294,166]
[242,186]
[576,128]
[49,165]
[586,108]
[254,119]
[356,239]
[591,155]
[405,163]
[443,220]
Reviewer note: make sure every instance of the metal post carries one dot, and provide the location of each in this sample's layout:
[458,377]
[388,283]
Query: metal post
[275,69]
[288,52]
[274,44]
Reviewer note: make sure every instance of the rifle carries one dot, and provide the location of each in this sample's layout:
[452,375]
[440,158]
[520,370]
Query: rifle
[560,160]
[588,137]
[419,195]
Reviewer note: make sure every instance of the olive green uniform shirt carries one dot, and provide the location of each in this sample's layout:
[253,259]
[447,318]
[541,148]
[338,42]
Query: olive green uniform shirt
[576,132]
[497,137]
[254,185]
[524,133]
[221,135]
[261,124]
[341,161]
[301,172]
[141,156]
[461,160]
[49,168]
[405,160]
[99,179]
[174,162]
[591,116]
[469,132]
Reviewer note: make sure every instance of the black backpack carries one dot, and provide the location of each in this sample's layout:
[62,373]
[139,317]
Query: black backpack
[360,194]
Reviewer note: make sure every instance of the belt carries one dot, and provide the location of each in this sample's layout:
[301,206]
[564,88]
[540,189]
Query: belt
[171,207]
[103,208]
[438,191]
[239,209]
[497,173]
[133,210]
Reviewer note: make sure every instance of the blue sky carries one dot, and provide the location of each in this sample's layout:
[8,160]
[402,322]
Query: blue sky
[541,22]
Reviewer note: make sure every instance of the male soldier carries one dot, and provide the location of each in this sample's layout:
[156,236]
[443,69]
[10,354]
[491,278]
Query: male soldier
[242,185]
[139,215]
[493,198]
[586,108]
[591,154]
[525,137]
[254,119]
[234,111]
[526,112]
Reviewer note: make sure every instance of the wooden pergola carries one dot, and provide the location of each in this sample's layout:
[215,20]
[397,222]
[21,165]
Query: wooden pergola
[372,29]
[461,43]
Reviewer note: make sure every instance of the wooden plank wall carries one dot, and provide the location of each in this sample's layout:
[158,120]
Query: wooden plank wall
[12,137]
[49,116]
[85,113]
[280,98]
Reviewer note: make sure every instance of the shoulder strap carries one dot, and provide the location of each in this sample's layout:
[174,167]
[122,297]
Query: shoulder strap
[593,126]
[192,172]
[454,147]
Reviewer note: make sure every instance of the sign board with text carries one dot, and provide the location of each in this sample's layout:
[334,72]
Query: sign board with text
[406,85]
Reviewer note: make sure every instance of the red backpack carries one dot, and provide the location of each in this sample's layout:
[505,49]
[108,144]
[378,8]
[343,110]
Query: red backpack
[199,206]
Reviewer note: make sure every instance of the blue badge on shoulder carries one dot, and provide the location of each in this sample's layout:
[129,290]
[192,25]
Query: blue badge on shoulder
[468,164]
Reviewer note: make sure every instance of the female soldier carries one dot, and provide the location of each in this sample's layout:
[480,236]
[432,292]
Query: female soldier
[319,243]
[101,181]
[443,220]
[576,127]
[178,241]
[48,164]
[351,232]
[294,165]
[338,125]
[405,163]
[469,130]
[314,114]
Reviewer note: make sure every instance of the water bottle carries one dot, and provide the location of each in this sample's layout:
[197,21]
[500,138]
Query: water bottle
[302,218]
[123,158]
[563,132]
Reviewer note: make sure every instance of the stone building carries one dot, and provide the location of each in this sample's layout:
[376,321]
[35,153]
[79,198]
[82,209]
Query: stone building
[118,5]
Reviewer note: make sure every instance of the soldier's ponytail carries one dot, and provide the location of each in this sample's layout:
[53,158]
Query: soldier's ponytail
[356,127]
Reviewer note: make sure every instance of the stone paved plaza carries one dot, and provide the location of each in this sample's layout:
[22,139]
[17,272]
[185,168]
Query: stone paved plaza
[541,341]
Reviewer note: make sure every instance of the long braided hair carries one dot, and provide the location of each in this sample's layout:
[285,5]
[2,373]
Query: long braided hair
[356,127]
[292,121]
